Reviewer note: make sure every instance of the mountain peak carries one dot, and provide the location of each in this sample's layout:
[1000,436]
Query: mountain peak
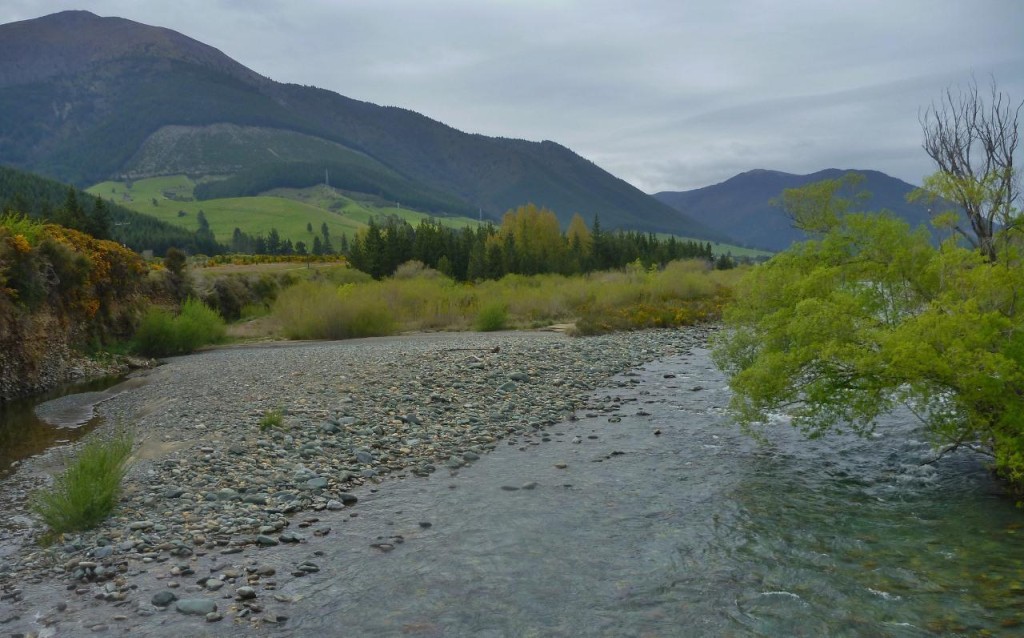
[741,205]
[69,42]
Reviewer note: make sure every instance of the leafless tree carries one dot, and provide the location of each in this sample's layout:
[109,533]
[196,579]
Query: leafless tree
[972,141]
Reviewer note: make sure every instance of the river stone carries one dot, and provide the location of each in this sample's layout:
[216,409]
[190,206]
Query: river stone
[364,457]
[317,483]
[214,584]
[290,537]
[196,606]
[266,541]
[347,499]
[245,593]
[163,598]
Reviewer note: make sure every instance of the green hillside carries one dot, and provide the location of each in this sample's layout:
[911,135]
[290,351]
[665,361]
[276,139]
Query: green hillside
[291,211]
[42,198]
[256,159]
[139,101]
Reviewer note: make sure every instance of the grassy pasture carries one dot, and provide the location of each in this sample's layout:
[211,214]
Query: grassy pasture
[287,210]
[254,215]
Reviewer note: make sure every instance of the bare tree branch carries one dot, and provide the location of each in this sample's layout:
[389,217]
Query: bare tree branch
[972,142]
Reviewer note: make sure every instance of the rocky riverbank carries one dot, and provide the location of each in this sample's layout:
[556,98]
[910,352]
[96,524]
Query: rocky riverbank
[219,498]
[36,355]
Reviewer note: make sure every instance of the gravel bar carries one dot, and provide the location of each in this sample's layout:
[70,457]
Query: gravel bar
[209,479]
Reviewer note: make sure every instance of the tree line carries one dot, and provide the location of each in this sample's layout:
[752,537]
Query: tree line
[529,241]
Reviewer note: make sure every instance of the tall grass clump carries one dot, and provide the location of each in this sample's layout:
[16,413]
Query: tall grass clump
[88,490]
[161,334]
[271,419]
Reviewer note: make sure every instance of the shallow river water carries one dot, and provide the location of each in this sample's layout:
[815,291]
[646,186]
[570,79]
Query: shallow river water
[696,531]
[67,416]
[652,515]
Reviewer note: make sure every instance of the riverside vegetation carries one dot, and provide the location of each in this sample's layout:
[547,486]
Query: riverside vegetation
[870,314]
[90,487]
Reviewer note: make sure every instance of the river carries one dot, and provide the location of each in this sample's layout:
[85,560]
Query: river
[696,531]
[652,515]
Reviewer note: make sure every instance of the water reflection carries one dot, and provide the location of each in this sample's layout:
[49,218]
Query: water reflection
[23,433]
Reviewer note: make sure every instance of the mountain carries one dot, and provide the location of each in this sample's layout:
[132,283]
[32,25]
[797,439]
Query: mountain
[741,206]
[85,98]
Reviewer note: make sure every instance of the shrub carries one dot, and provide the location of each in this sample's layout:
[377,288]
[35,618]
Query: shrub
[415,270]
[312,310]
[88,490]
[198,325]
[161,335]
[493,316]
[419,299]
[228,296]
[156,333]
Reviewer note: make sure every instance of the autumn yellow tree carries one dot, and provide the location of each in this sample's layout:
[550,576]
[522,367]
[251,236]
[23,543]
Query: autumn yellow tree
[580,241]
[535,237]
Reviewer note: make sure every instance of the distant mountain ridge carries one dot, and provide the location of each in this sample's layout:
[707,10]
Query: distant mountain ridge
[741,205]
[81,95]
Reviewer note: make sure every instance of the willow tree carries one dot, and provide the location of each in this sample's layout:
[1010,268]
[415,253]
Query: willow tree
[871,315]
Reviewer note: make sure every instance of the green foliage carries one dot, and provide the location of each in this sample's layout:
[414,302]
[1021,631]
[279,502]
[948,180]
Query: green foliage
[88,490]
[492,317]
[161,334]
[837,331]
[156,335]
[93,286]
[683,293]
[317,310]
[271,419]
[816,208]
[20,224]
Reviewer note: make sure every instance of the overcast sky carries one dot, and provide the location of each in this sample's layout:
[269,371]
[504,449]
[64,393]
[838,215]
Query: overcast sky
[666,94]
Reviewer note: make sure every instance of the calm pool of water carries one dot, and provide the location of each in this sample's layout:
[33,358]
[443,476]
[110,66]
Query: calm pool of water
[23,433]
